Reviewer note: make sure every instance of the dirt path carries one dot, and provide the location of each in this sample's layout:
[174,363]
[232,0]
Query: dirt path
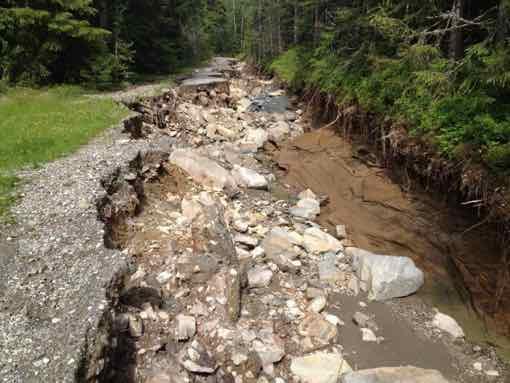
[234,275]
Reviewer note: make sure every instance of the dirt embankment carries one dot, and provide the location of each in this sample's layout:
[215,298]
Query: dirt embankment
[449,217]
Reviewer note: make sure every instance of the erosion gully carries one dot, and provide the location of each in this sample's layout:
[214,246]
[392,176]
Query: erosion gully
[207,299]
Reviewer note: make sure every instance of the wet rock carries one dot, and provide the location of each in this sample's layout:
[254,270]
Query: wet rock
[306,208]
[320,367]
[186,327]
[387,276]
[448,324]
[317,241]
[195,358]
[318,304]
[249,178]
[203,170]
[259,277]
[394,374]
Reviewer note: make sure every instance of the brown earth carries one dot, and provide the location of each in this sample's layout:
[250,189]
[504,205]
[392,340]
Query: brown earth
[382,217]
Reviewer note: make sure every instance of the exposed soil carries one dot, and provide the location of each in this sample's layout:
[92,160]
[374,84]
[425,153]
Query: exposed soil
[384,218]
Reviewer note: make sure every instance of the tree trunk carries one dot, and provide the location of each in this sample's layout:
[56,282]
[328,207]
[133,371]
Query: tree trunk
[502,26]
[457,35]
[296,15]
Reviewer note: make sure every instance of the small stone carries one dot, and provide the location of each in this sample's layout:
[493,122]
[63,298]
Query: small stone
[478,366]
[239,358]
[258,252]
[259,277]
[318,304]
[135,327]
[186,327]
[368,335]
[334,320]
[492,373]
[341,232]
[363,320]
[164,277]
[313,292]
[247,240]
[241,226]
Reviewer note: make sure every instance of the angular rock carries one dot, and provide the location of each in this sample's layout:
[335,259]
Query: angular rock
[341,231]
[320,367]
[259,277]
[368,335]
[306,208]
[307,194]
[448,325]
[270,348]
[387,276]
[190,208]
[186,327]
[363,320]
[394,374]
[249,178]
[317,304]
[195,358]
[203,170]
[279,131]
[316,327]
[279,247]
[247,240]
[254,139]
[317,241]
[328,272]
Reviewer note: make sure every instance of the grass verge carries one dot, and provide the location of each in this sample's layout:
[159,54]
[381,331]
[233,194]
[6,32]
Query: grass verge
[37,126]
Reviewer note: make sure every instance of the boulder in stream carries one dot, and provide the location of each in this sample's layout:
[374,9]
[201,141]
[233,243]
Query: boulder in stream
[387,276]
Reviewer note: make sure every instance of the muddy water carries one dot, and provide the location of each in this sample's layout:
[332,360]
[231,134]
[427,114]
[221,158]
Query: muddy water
[383,218]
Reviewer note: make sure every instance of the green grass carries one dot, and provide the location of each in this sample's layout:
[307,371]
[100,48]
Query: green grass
[37,126]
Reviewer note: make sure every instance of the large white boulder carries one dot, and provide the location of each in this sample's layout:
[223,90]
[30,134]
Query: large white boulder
[394,375]
[203,170]
[249,178]
[448,324]
[386,276]
[317,241]
[320,367]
